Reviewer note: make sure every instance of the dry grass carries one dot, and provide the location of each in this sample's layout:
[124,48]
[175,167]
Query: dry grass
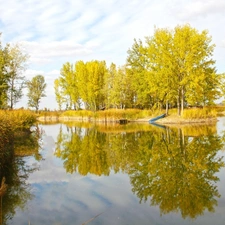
[114,114]
[205,113]
[17,119]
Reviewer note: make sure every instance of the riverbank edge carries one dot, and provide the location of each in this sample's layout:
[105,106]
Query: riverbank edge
[171,119]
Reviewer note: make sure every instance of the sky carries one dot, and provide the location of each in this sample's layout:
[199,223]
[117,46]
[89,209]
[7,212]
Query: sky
[53,32]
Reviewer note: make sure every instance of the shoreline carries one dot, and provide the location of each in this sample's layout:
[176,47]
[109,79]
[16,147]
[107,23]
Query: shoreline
[170,120]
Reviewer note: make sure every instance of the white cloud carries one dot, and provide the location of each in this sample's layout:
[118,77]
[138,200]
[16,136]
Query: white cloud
[56,31]
[47,52]
[198,8]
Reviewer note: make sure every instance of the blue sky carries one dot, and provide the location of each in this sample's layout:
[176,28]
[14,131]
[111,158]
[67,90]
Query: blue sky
[54,31]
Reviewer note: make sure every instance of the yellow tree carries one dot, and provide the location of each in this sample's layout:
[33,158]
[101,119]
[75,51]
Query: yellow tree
[68,83]
[96,72]
[91,83]
[138,67]
[60,98]
[175,65]
[161,67]
[195,72]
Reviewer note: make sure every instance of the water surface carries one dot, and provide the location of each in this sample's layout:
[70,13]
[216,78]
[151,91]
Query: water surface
[120,174]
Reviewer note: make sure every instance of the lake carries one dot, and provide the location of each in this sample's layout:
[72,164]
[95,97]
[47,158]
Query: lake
[110,174]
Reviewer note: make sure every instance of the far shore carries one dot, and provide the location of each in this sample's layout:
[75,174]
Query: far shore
[171,119]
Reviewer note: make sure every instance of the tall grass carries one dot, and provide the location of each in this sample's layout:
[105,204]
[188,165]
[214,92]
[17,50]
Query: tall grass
[205,113]
[10,123]
[17,119]
[130,114]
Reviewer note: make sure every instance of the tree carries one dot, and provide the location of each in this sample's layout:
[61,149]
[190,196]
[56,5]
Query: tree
[60,98]
[96,72]
[36,90]
[4,53]
[91,83]
[175,65]
[12,64]
[16,82]
[68,85]
[120,93]
[192,51]
[137,67]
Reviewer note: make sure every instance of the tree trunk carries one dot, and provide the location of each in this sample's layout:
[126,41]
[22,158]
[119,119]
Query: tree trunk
[167,107]
[178,102]
[182,99]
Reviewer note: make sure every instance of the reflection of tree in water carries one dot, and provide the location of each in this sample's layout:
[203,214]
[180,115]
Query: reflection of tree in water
[90,151]
[82,152]
[15,172]
[176,171]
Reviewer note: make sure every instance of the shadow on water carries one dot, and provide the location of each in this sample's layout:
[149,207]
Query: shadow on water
[14,191]
[173,168]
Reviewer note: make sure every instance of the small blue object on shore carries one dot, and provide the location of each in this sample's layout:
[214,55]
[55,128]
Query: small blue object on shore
[157,118]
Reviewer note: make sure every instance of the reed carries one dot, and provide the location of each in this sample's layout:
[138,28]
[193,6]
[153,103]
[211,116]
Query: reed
[77,113]
[45,113]
[17,119]
[130,114]
[205,113]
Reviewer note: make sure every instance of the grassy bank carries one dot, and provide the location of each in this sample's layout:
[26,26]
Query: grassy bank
[106,115]
[12,122]
[112,115]
[17,119]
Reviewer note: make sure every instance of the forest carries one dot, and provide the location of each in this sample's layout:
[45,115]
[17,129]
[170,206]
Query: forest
[173,68]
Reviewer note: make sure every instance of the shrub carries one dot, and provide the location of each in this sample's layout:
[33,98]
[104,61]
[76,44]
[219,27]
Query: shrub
[18,119]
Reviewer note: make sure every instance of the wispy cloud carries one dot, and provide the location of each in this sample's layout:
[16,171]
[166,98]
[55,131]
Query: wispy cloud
[56,31]
[194,9]
[47,52]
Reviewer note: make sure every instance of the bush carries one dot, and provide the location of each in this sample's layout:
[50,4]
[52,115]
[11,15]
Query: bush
[18,119]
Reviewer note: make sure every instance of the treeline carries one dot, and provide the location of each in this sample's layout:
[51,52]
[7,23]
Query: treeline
[172,68]
[13,63]
[12,81]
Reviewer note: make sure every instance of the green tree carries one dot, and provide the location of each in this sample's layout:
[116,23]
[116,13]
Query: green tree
[36,90]
[60,98]
[222,84]
[16,81]
[4,60]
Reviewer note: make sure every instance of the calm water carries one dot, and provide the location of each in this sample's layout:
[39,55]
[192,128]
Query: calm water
[121,174]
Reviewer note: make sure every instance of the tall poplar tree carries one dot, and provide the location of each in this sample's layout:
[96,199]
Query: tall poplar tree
[174,65]
[68,84]
[60,98]
[4,77]
[36,90]
[137,67]
[15,69]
